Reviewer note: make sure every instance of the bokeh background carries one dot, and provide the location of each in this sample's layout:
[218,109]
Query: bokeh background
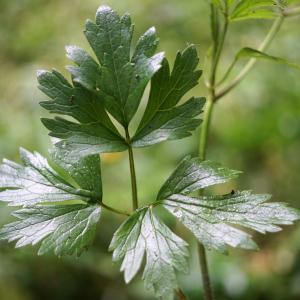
[256,129]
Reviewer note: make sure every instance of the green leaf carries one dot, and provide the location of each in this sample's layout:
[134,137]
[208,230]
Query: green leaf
[87,71]
[253,9]
[123,78]
[249,52]
[113,87]
[94,127]
[37,182]
[193,174]
[167,89]
[83,139]
[213,219]
[144,234]
[63,229]
[174,123]
[163,120]
[253,53]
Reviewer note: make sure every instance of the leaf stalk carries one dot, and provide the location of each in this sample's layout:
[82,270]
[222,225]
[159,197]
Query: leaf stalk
[114,209]
[135,204]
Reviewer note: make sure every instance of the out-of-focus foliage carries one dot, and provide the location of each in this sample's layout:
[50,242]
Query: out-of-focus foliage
[256,129]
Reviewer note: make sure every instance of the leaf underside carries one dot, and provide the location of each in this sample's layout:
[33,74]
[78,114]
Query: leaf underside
[63,229]
[58,213]
[212,219]
[141,235]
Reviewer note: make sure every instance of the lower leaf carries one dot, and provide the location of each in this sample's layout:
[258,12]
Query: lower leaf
[212,219]
[63,229]
[144,234]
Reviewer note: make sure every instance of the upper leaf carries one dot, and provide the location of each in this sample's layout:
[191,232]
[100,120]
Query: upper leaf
[193,174]
[115,85]
[142,234]
[212,219]
[170,124]
[64,229]
[95,133]
[37,182]
[168,88]
[123,78]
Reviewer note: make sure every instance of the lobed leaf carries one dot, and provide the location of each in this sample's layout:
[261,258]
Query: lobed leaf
[123,78]
[63,229]
[212,219]
[193,174]
[112,87]
[168,88]
[36,182]
[174,123]
[94,125]
[144,234]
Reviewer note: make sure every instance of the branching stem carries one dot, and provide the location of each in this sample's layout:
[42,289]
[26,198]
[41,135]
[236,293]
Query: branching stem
[213,96]
[249,65]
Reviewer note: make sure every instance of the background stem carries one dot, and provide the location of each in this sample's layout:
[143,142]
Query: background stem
[266,42]
[135,204]
[218,45]
[207,288]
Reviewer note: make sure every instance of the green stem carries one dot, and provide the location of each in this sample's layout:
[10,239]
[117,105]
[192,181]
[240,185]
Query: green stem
[205,128]
[266,42]
[135,204]
[207,288]
[205,274]
[114,209]
[289,12]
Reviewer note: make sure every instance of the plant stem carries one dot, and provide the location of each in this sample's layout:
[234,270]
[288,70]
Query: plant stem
[205,128]
[208,295]
[289,12]
[266,42]
[135,204]
[212,98]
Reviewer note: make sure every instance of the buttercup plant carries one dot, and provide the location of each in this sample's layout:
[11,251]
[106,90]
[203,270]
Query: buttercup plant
[102,98]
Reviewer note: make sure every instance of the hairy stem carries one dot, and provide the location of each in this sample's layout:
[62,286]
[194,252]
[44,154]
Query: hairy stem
[135,204]
[249,65]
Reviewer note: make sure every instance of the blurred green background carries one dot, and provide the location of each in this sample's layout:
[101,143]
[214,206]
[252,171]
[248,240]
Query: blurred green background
[255,129]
